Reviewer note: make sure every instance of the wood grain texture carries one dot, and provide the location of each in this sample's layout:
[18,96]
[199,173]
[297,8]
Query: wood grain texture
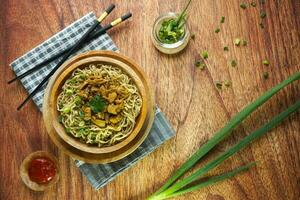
[187,95]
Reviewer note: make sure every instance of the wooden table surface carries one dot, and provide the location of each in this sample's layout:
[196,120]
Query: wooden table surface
[187,95]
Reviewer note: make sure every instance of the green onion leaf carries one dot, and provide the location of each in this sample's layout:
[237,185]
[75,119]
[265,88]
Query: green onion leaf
[240,145]
[227,130]
[214,179]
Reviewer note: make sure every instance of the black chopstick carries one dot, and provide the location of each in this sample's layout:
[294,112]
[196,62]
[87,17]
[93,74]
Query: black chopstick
[45,62]
[74,48]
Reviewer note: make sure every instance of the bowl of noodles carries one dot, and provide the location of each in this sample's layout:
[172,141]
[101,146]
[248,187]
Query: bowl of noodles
[97,102]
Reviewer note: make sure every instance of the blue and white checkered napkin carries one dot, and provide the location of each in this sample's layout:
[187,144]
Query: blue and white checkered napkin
[97,174]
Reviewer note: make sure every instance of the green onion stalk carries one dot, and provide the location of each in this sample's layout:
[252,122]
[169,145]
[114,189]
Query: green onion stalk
[172,188]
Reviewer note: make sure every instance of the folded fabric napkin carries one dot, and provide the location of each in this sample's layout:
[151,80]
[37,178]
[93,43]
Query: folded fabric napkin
[97,174]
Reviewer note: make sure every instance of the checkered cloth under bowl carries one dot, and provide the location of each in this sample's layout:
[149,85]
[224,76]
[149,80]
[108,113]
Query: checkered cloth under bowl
[97,174]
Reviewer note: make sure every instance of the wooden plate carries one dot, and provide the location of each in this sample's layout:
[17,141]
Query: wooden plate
[99,156]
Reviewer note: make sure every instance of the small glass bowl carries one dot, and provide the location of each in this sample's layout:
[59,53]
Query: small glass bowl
[169,48]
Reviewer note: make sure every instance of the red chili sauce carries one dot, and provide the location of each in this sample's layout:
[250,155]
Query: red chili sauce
[41,170]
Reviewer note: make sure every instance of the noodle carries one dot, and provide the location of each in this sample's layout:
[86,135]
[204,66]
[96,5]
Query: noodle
[122,105]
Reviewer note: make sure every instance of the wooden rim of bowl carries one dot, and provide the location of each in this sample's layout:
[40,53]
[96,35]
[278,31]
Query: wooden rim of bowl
[24,171]
[82,61]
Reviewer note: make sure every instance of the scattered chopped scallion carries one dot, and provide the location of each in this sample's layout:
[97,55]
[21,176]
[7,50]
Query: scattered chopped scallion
[266,62]
[227,83]
[198,63]
[202,66]
[204,54]
[193,36]
[263,14]
[253,4]
[261,25]
[219,85]
[237,42]
[222,20]
[233,63]
[243,6]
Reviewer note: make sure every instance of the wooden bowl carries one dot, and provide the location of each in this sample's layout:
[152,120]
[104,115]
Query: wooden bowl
[51,114]
[24,171]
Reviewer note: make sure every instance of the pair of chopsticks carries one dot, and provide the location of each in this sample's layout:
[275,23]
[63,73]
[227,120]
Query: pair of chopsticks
[88,35]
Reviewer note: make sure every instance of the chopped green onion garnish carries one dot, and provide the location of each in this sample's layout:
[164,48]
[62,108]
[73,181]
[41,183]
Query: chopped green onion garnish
[68,130]
[266,62]
[253,4]
[66,109]
[237,42]
[219,85]
[227,83]
[60,118]
[193,36]
[263,14]
[226,48]
[77,100]
[202,66]
[81,113]
[244,43]
[172,30]
[197,63]
[69,91]
[233,63]
[261,25]
[243,5]
[217,30]
[204,54]
[222,20]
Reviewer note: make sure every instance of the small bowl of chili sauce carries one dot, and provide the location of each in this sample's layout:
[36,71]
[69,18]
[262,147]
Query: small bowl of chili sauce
[39,170]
